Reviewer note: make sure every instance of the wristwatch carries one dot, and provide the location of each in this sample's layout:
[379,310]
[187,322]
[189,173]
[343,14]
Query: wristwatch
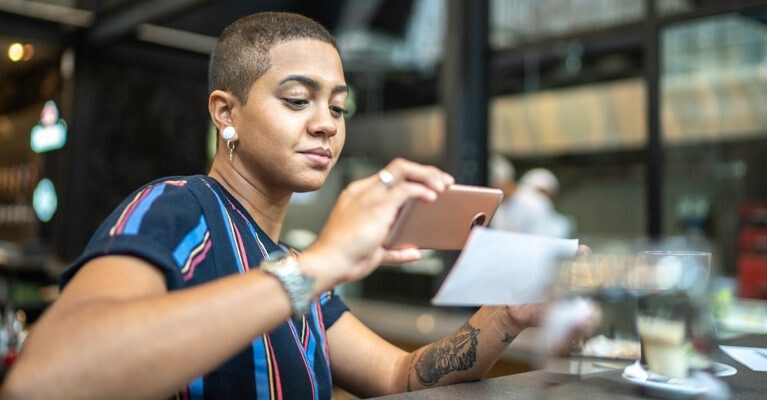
[298,286]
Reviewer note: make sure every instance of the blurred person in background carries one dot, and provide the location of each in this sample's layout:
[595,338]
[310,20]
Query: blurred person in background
[531,207]
[185,289]
[501,175]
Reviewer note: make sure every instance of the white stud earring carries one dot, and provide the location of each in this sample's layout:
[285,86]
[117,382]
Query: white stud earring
[228,133]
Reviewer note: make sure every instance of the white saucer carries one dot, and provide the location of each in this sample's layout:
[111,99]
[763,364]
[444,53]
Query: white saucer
[693,385]
[721,369]
[685,387]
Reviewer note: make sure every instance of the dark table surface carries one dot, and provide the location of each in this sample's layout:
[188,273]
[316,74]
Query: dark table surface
[543,384]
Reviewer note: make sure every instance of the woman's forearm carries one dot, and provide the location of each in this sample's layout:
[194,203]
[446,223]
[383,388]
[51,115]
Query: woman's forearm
[466,355]
[148,347]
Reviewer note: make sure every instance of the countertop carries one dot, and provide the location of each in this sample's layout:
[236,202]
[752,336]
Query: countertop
[584,382]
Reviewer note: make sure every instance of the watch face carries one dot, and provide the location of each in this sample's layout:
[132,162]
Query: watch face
[276,256]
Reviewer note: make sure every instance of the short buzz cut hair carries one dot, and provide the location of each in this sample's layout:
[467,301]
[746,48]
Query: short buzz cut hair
[241,55]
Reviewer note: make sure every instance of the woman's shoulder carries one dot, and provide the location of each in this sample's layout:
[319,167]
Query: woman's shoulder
[172,188]
[165,198]
[176,181]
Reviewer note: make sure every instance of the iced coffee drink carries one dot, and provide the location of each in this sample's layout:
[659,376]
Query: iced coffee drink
[665,346]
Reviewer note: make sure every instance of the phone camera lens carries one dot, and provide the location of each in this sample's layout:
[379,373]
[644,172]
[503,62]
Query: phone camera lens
[478,220]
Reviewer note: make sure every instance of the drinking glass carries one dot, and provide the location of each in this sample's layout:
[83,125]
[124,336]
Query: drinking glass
[672,323]
[599,278]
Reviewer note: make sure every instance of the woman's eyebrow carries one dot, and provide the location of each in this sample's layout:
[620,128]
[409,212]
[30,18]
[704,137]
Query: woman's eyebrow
[304,80]
[312,84]
[340,89]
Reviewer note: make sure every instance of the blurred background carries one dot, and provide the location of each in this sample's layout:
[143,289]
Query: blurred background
[652,114]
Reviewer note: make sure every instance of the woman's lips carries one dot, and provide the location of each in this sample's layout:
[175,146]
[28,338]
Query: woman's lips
[317,158]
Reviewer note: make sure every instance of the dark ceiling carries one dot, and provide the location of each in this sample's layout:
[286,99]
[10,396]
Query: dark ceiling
[182,31]
[100,24]
[209,17]
[106,21]
[186,25]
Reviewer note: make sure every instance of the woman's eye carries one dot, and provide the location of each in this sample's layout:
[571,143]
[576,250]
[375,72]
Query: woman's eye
[338,111]
[295,103]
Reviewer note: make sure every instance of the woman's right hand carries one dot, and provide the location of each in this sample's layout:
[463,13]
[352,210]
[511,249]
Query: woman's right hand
[350,246]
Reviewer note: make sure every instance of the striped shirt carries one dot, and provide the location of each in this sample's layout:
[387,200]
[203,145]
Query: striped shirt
[194,231]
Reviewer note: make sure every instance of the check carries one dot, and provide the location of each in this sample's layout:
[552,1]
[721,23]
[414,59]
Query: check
[501,268]
[752,357]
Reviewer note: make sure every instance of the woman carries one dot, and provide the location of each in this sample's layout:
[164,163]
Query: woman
[168,296]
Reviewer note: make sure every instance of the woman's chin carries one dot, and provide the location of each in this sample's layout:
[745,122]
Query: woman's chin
[308,182]
[312,186]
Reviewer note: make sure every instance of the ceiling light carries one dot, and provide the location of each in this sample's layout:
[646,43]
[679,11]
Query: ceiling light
[16,52]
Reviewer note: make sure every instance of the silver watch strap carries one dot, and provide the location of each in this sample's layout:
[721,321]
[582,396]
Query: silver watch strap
[298,286]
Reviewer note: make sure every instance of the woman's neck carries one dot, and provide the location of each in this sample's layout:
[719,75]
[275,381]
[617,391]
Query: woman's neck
[266,208]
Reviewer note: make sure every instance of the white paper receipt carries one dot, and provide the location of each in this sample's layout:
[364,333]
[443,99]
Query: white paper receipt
[499,267]
[752,357]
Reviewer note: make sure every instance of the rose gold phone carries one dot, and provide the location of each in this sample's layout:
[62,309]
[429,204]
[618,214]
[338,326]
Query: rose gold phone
[446,223]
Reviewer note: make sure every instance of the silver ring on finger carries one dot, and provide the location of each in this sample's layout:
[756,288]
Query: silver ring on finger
[387,178]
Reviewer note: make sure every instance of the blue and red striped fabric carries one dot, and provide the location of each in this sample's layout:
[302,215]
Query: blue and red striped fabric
[195,232]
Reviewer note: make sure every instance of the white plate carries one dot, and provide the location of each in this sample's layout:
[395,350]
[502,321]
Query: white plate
[689,386]
[722,369]
[686,387]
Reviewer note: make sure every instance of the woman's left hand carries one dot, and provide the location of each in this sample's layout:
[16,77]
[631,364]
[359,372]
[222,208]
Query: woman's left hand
[523,316]
[527,315]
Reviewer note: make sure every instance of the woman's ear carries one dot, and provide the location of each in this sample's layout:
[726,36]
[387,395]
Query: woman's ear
[220,106]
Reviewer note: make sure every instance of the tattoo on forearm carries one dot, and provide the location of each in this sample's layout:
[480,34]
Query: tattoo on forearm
[508,338]
[457,352]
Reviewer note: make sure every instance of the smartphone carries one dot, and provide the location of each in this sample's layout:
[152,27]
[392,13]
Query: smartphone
[446,223]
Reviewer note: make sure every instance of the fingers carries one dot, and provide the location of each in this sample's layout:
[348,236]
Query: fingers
[408,190]
[567,318]
[526,315]
[400,256]
[406,180]
[404,171]
[401,180]
[583,251]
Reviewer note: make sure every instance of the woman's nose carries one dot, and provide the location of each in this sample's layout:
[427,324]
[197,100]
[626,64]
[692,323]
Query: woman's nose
[323,123]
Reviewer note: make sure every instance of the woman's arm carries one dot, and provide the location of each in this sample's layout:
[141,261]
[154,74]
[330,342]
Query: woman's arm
[367,365]
[116,333]
[466,355]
